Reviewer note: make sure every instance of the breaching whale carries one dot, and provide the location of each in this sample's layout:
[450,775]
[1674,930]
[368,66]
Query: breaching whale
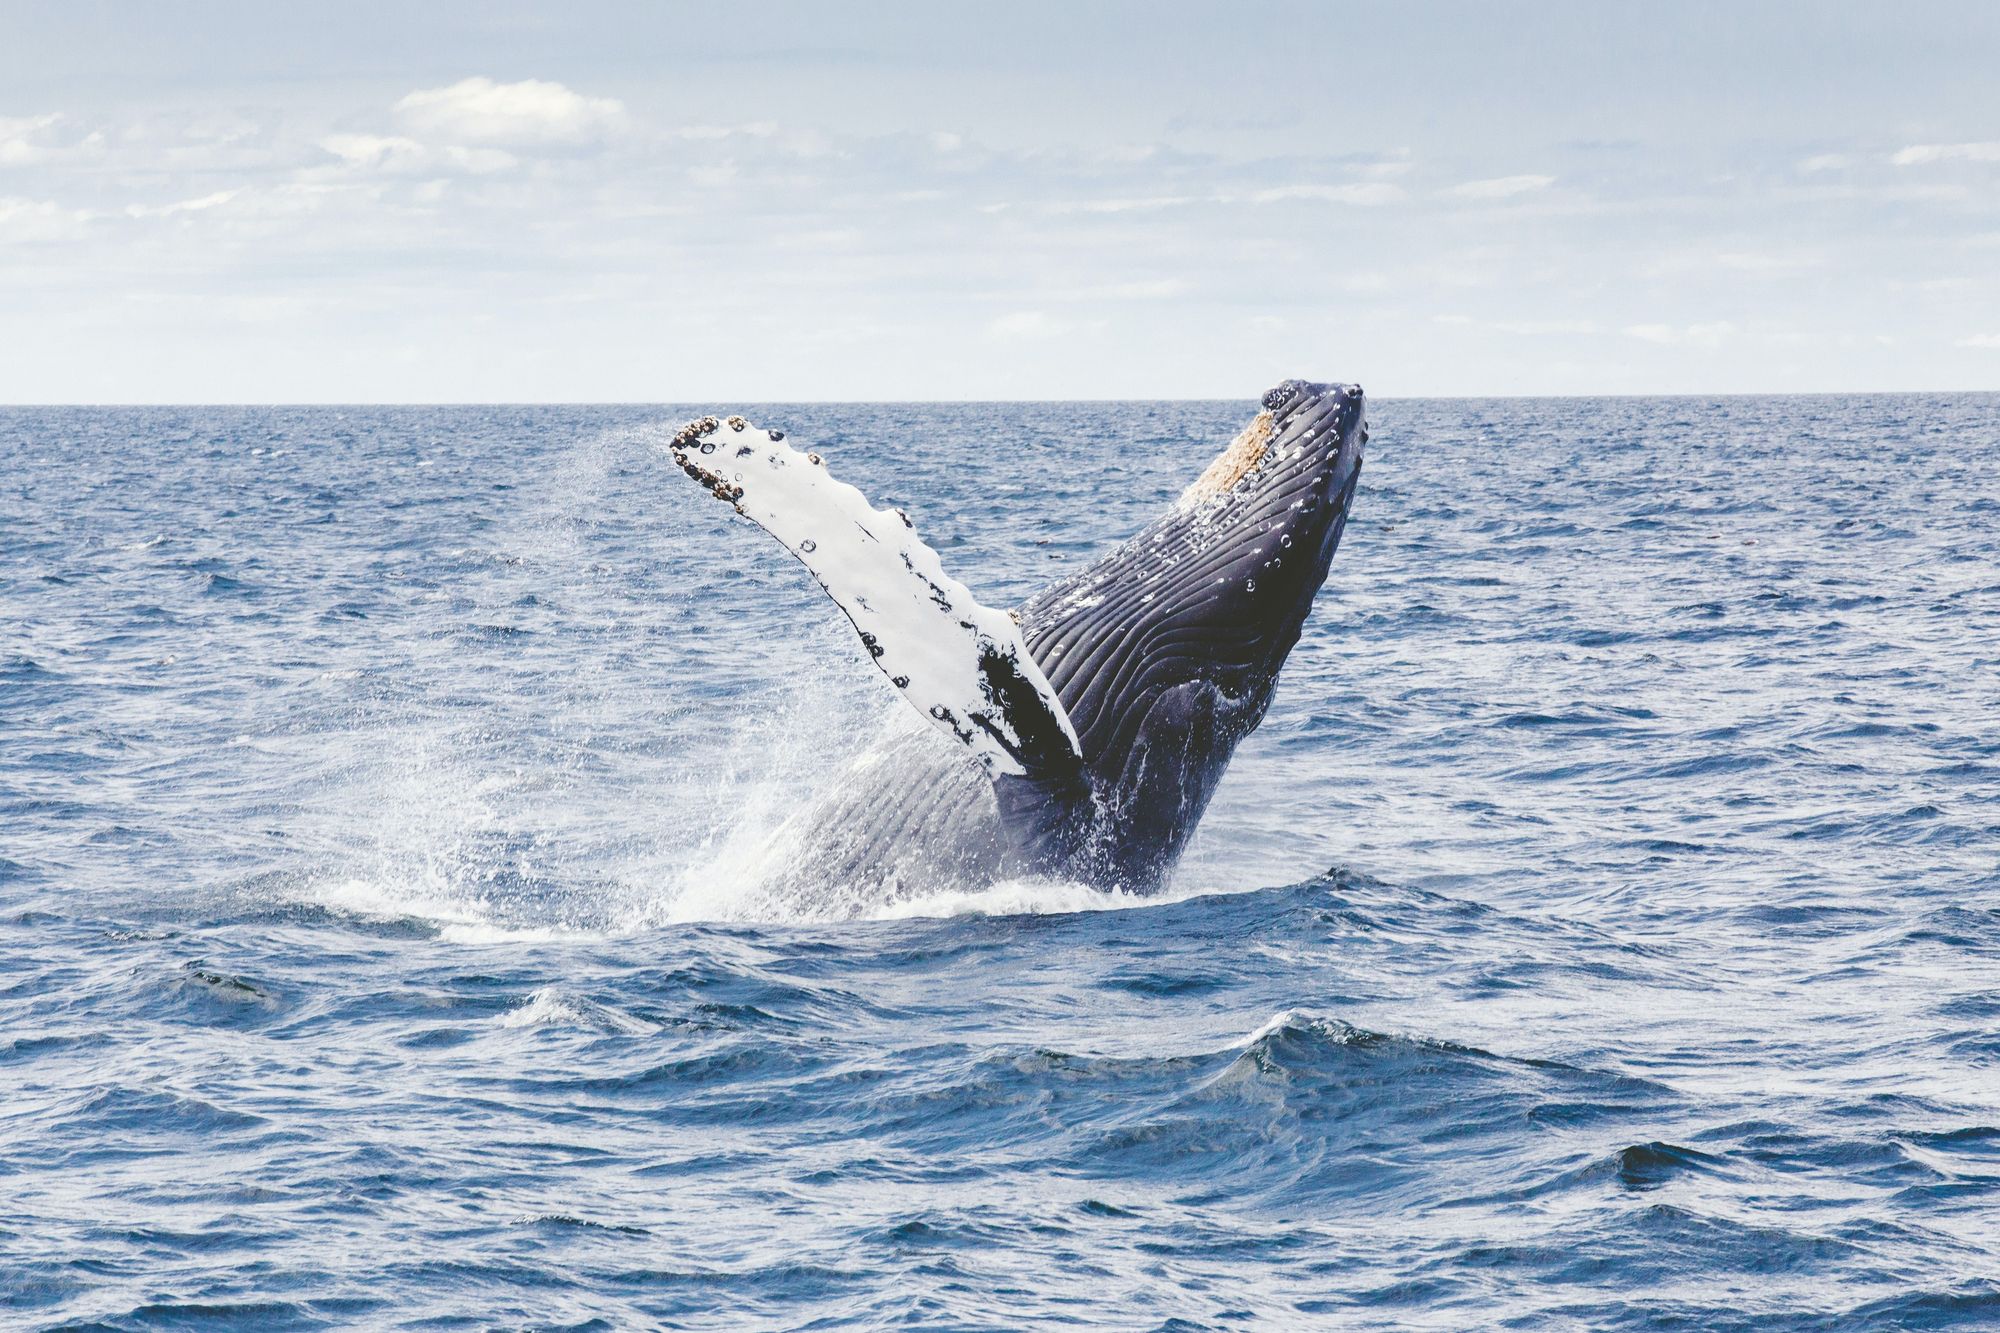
[1090,726]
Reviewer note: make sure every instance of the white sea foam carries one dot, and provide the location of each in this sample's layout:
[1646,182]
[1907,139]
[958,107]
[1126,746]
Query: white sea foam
[1025,897]
[1277,1022]
[461,919]
[551,1006]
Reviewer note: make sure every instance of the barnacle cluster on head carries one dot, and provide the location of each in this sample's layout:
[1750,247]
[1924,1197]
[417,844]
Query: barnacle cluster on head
[1279,397]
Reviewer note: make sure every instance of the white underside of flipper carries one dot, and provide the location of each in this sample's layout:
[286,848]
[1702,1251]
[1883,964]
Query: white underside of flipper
[961,664]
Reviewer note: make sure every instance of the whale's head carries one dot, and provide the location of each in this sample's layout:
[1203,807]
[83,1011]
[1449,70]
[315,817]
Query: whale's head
[1165,653]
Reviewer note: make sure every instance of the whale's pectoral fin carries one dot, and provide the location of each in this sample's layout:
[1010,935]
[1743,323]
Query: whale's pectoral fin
[961,664]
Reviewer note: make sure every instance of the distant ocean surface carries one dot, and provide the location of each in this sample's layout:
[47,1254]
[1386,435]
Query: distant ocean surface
[1602,932]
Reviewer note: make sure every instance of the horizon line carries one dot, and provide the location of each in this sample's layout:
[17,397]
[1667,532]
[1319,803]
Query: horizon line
[971,402]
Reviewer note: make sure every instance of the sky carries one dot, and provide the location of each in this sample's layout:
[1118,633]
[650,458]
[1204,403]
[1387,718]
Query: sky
[663,202]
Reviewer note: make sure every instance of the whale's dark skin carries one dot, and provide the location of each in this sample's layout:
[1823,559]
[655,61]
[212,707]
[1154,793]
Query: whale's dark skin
[1164,655]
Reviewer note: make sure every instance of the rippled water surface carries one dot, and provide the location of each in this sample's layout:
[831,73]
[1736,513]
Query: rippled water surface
[1603,931]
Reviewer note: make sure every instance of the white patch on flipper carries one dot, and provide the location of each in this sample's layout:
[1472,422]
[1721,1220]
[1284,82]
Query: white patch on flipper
[933,640]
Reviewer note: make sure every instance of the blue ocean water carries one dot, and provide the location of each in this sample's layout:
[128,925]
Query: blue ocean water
[1603,931]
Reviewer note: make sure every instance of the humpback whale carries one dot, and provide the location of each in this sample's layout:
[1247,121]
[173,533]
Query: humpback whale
[1088,727]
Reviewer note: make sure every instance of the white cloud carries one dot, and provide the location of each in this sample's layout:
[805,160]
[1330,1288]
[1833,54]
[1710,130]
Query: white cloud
[394,154]
[1684,335]
[1388,168]
[1367,195]
[200,205]
[533,111]
[1986,341]
[1824,162]
[376,152]
[1501,187]
[25,140]
[479,161]
[1921,154]
[756,129]
[1139,205]
[38,220]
